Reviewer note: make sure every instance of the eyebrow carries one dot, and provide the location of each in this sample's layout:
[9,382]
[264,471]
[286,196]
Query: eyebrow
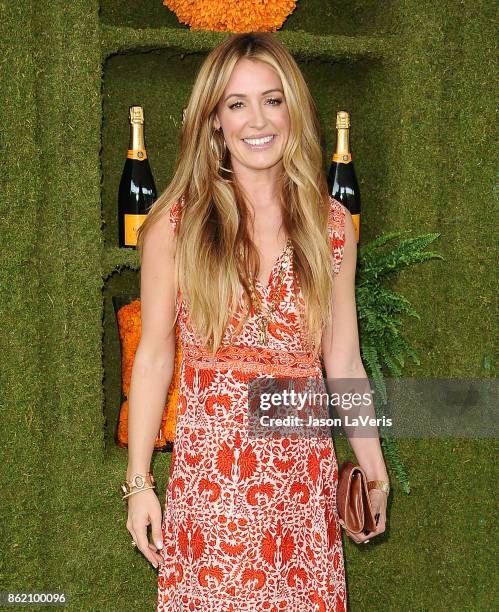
[240,95]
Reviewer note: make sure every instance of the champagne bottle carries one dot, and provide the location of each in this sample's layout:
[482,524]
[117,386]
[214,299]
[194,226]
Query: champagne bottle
[342,180]
[137,191]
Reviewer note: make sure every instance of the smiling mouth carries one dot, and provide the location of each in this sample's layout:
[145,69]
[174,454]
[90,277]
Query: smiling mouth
[260,142]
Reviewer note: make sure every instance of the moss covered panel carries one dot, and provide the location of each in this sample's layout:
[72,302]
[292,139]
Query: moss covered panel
[416,77]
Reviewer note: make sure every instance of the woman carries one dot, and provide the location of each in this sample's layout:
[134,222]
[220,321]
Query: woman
[247,249]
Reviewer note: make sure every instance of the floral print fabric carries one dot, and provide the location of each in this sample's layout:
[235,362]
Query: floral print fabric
[250,524]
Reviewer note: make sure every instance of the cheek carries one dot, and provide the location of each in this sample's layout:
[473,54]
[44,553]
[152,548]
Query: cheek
[234,125]
[283,124]
[284,129]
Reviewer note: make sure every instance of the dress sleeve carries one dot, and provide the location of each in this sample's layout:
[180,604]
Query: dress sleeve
[175,213]
[336,230]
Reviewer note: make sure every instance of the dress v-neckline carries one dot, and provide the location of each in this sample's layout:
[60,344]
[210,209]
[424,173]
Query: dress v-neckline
[265,288]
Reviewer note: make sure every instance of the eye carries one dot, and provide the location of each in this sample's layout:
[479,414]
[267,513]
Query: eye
[274,102]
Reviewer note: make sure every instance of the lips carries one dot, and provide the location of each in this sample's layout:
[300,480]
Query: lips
[262,142]
[257,137]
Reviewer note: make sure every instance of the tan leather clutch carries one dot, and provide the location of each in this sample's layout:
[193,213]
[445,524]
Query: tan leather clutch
[352,499]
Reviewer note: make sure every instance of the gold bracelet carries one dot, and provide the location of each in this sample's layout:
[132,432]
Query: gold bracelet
[138,482]
[382,485]
[137,491]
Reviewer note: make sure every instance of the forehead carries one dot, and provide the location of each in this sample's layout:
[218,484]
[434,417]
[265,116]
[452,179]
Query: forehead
[252,76]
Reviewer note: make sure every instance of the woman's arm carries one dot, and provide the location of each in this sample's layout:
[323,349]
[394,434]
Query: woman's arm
[341,352]
[155,357]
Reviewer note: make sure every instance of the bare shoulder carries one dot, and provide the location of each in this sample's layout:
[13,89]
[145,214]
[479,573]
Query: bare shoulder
[159,239]
[157,285]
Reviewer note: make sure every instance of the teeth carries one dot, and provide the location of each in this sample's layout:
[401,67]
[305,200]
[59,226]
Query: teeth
[258,141]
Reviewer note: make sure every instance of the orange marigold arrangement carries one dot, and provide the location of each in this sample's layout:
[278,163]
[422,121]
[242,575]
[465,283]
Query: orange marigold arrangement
[129,326]
[240,16]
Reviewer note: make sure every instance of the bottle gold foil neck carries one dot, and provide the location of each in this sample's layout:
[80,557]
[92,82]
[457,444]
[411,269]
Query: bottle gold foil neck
[342,120]
[136,114]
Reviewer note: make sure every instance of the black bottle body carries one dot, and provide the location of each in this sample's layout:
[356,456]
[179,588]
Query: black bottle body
[342,180]
[343,186]
[137,193]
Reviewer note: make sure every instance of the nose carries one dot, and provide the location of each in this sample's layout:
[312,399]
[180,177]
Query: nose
[257,119]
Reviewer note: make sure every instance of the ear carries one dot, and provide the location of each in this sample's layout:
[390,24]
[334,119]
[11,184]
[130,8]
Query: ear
[216,122]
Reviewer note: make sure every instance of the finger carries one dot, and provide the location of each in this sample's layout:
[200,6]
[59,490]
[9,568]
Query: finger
[157,556]
[143,544]
[353,536]
[131,531]
[156,533]
[365,536]
[135,539]
[362,539]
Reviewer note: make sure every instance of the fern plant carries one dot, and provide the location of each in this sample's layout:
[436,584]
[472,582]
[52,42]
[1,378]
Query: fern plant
[382,344]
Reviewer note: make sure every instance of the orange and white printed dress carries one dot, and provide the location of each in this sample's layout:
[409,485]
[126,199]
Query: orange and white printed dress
[250,524]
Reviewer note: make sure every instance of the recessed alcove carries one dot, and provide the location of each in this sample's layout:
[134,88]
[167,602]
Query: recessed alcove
[124,282]
[161,81]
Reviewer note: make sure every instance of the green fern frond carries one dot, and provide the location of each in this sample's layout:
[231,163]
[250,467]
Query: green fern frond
[408,252]
[391,364]
[383,346]
[366,249]
[408,349]
[367,299]
[395,465]
[370,359]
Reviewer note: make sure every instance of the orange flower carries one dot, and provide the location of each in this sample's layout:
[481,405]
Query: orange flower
[240,16]
[129,327]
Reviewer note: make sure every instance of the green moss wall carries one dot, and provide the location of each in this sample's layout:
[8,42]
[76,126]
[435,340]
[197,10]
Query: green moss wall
[416,77]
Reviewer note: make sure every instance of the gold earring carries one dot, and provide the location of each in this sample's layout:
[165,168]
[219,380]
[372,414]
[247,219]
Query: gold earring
[219,156]
[224,152]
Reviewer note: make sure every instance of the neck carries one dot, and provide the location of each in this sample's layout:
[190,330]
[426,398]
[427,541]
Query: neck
[259,186]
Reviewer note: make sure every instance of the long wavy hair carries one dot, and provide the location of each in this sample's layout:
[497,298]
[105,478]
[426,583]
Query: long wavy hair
[214,254]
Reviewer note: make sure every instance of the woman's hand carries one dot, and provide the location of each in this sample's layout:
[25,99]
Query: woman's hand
[379,501]
[144,509]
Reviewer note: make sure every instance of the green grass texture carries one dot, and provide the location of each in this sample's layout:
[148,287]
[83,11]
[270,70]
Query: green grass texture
[416,77]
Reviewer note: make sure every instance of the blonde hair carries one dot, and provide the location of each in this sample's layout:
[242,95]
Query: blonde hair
[214,221]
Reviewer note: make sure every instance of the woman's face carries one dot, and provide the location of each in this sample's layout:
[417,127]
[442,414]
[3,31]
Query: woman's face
[253,107]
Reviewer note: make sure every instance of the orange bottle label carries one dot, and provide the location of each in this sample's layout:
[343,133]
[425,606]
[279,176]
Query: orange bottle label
[356,223]
[132,224]
[139,154]
[343,158]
